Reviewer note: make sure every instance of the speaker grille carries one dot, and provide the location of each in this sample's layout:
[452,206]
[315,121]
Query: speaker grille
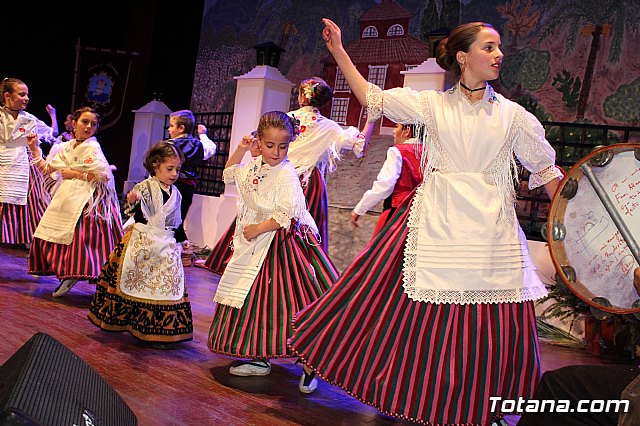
[53,386]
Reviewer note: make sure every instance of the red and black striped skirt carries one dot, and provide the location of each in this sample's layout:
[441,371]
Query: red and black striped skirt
[295,272]
[429,363]
[93,241]
[221,254]
[20,222]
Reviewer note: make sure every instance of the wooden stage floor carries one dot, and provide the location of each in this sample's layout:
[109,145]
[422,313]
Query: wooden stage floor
[187,385]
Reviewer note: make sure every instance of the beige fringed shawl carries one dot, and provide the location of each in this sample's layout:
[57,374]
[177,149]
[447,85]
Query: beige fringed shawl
[59,220]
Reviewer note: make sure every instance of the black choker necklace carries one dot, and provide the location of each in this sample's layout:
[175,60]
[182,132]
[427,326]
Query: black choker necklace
[472,90]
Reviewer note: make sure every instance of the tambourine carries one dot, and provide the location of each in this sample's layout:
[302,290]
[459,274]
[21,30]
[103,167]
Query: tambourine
[593,226]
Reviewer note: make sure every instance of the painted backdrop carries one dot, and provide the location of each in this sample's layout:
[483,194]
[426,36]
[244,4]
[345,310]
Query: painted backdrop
[566,60]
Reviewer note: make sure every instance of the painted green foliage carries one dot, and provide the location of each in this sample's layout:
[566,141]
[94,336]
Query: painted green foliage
[529,68]
[624,104]
[569,87]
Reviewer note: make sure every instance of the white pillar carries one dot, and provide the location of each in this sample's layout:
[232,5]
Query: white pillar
[261,90]
[148,129]
[426,76]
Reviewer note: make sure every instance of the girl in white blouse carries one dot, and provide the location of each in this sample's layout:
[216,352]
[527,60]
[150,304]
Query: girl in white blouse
[278,266]
[449,283]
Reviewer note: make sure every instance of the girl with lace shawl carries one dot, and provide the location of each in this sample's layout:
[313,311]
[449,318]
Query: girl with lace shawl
[278,265]
[314,154]
[23,191]
[436,314]
[82,223]
[141,288]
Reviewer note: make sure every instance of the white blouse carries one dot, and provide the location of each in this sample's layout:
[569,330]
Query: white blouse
[385,181]
[265,192]
[464,243]
[14,160]
[268,192]
[320,142]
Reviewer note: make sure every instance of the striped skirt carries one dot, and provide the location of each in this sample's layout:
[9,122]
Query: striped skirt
[428,363]
[147,320]
[221,254]
[20,222]
[316,194]
[295,272]
[315,191]
[93,241]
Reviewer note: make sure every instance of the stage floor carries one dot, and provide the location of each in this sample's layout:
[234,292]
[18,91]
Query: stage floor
[187,385]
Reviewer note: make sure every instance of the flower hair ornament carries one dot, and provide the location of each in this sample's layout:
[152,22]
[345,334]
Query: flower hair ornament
[309,89]
[295,124]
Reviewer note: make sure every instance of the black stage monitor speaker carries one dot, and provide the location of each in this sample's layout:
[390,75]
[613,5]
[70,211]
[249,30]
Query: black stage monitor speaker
[44,383]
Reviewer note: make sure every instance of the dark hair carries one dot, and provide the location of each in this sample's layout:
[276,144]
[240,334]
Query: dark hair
[159,153]
[460,40]
[77,113]
[316,90]
[279,120]
[185,118]
[412,127]
[8,85]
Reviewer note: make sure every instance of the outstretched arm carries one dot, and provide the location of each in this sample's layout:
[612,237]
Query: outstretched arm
[54,118]
[333,39]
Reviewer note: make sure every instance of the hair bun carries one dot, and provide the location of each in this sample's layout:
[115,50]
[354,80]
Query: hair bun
[442,55]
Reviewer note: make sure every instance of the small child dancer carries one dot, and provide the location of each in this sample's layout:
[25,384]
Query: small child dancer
[278,266]
[314,154]
[82,223]
[141,288]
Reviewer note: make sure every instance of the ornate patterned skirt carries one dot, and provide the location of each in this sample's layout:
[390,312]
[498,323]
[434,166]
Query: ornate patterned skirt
[94,238]
[428,363]
[295,272]
[146,319]
[317,202]
[20,222]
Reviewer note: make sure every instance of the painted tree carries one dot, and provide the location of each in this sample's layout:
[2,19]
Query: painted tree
[520,20]
[597,19]
[438,15]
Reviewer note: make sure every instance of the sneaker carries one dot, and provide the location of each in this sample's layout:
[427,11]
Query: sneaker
[257,367]
[64,287]
[308,382]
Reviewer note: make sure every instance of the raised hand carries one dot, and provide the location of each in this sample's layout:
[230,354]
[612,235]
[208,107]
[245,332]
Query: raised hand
[331,34]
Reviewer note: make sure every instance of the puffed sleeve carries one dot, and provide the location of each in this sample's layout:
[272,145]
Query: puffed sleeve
[534,151]
[229,174]
[290,200]
[44,131]
[400,104]
[351,138]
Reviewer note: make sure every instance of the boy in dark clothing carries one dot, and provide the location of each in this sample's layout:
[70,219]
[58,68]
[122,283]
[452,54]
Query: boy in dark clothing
[195,150]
